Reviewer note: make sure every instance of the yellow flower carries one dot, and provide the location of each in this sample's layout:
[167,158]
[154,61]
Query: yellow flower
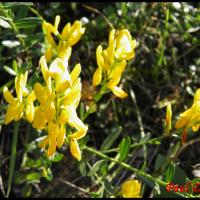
[58,100]
[131,189]
[168,118]
[22,104]
[124,45]
[190,117]
[61,43]
[112,61]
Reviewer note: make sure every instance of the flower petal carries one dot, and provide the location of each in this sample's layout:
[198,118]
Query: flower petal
[39,121]
[50,111]
[183,119]
[65,31]
[48,53]
[197,96]
[8,96]
[44,68]
[61,136]
[64,51]
[57,21]
[74,149]
[44,143]
[75,72]
[31,97]
[75,122]
[40,93]
[97,77]
[119,92]
[30,111]
[99,57]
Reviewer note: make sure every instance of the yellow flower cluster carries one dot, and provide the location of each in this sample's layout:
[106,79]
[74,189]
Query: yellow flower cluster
[190,118]
[58,97]
[131,189]
[58,100]
[112,61]
[22,104]
[61,43]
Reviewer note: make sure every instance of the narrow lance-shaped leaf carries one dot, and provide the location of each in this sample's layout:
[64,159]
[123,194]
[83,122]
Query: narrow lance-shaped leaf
[170,172]
[110,139]
[124,148]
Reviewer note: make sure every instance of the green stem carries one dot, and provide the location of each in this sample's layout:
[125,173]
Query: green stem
[142,133]
[130,168]
[97,98]
[36,12]
[13,157]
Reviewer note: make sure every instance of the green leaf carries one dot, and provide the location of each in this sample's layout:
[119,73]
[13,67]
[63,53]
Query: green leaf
[104,168]
[9,70]
[22,12]
[154,141]
[15,66]
[30,162]
[170,172]
[95,167]
[82,168]
[58,157]
[124,148]
[175,149]
[49,176]
[110,139]
[4,23]
[28,22]
[26,190]
[94,195]
[33,177]
[15,4]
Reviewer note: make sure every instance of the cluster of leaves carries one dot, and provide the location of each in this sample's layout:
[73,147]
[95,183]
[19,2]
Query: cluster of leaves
[165,69]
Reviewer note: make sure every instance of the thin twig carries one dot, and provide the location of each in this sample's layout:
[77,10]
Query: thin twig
[100,13]
[184,146]
[73,186]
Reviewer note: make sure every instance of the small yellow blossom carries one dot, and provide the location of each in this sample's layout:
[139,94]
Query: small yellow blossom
[190,117]
[58,100]
[22,104]
[112,61]
[168,118]
[61,43]
[131,189]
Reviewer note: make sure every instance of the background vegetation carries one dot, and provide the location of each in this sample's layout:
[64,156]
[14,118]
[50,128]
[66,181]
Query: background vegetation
[166,69]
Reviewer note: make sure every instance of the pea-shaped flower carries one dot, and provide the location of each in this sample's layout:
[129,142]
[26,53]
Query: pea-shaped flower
[112,61]
[22,105]
[191,117]
[61,43]
[131,189]
[58,100]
